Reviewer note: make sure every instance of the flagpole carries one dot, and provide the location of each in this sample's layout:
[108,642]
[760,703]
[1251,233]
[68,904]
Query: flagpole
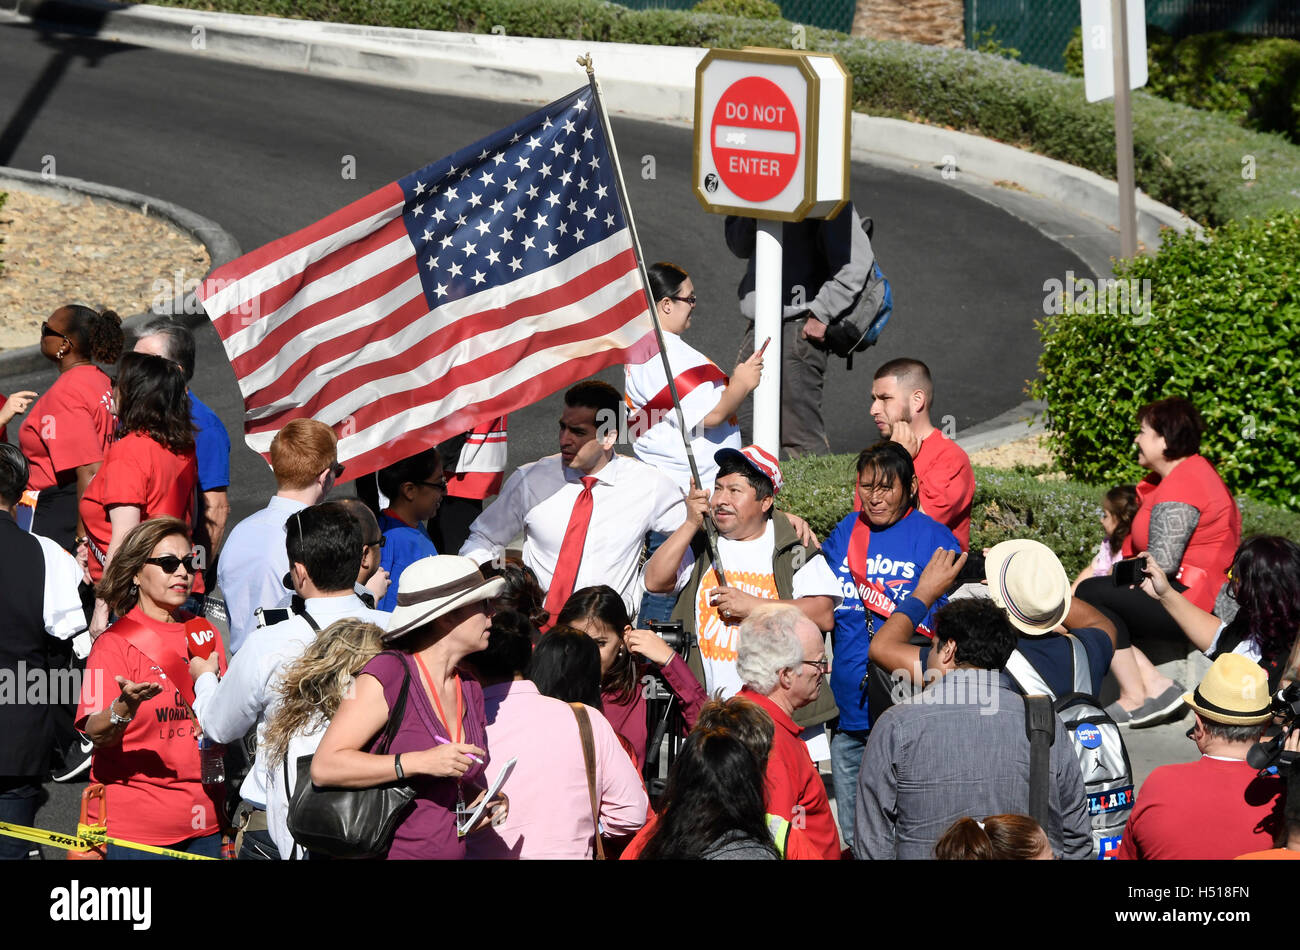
[710,530]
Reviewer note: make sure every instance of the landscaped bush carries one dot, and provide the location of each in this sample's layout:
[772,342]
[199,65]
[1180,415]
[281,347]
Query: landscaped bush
[1223,331]
[1253,79]
[1064,515]
[750,9]
[1184,157]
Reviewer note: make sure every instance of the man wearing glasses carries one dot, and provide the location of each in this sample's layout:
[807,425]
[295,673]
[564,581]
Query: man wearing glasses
[253,563]
[414,488]
[782,661]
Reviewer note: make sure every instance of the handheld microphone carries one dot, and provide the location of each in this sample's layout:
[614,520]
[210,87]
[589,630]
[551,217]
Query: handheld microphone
[200,638]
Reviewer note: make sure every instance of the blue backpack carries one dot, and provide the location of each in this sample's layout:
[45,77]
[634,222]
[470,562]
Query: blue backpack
[861,327]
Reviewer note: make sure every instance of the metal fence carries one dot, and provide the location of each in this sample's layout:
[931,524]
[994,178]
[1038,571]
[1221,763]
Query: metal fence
[1041,29]
[828,14]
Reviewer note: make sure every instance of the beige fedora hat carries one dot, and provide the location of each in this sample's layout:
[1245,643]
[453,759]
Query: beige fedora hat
[434,586]
[1233,692]
[1027,581]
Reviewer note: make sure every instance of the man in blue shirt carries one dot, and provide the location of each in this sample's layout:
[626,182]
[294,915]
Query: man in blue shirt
[878,554]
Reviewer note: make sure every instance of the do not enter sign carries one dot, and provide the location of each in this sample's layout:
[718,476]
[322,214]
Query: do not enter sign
[771,133]
[755,138]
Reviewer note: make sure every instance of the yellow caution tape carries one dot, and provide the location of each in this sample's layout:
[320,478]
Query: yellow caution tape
[88,838]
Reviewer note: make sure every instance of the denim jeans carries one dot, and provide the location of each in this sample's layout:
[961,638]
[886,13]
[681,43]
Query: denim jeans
[207,845]
[846,762]
[20,798]
[655,606]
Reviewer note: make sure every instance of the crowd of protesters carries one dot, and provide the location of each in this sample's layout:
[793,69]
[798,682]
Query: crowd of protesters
[522,697]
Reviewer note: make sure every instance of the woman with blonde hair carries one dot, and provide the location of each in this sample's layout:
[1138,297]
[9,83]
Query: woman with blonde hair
[310,691]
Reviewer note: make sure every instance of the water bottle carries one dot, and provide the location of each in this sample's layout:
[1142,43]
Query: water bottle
[212,761]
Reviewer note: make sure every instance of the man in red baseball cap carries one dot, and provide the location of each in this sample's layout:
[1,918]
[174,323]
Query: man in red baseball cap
[763,560]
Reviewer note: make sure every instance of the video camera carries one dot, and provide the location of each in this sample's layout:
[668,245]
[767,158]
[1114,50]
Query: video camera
[1266,754]
[663,709]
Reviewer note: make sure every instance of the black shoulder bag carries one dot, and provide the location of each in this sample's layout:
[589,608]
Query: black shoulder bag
[351,822]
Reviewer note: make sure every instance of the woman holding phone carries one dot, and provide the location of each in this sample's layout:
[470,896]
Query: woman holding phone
[708,396]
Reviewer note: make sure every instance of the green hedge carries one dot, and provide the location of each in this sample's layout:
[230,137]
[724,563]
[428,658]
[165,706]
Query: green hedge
[750,9]
[1064,515]
[1223,331]
[1189,159]
[1253,79]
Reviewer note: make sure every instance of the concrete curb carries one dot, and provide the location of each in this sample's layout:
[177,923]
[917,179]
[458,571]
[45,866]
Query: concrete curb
[648,82]
[222,248]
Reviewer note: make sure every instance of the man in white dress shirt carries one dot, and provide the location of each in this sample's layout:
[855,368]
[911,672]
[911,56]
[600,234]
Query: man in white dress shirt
[324,548]
[304,458]
[584,513]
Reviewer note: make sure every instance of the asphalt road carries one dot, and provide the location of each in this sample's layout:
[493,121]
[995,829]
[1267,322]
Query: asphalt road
[263,153]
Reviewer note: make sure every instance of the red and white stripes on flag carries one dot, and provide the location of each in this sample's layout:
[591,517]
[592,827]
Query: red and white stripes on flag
[468,289]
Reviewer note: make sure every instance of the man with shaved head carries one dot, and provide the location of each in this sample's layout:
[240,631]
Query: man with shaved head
[901,395]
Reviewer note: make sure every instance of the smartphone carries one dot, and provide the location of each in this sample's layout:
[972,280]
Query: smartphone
[1129,572]
[763,348]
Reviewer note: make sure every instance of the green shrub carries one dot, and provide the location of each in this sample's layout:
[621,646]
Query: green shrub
[1253,79]
[1184,157]
[1223,328]
[1064,515]
[750,9]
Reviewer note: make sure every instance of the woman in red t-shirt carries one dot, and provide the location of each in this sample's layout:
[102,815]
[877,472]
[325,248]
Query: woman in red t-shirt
[1189,523]
[68,430]
[136,697]
[150,471]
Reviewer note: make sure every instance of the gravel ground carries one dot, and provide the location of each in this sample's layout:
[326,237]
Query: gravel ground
[1031,451]
[75,249]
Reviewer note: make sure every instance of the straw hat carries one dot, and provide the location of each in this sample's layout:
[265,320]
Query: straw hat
[434,586]
[1027,581]
[1234,692]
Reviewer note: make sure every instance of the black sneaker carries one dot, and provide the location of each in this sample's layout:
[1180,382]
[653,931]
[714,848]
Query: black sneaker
[76,761]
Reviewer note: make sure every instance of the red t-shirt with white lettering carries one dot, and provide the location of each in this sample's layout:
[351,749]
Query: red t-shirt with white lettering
[68,426]
[152,786]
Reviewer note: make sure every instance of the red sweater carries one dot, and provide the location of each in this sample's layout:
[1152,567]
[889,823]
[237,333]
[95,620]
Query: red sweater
[1211,809]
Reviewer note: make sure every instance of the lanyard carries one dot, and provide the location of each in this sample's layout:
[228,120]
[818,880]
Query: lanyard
[460,702]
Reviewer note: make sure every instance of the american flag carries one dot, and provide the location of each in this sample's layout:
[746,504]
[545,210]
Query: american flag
[474,286]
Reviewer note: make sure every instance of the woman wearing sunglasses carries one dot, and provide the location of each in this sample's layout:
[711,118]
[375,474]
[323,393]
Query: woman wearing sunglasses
[136,697]
[66,433]
[148,472]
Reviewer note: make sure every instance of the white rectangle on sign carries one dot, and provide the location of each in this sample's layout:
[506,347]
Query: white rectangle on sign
[1098,57]
[755,140]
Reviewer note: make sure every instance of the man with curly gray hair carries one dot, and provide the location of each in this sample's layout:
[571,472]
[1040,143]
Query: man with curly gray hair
[781,658]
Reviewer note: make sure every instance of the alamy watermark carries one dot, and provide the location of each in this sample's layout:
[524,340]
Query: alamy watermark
[979,688]
[1101,295]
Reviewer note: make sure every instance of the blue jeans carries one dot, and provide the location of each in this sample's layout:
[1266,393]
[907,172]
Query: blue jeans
[655,606]
[846,763]
[20,798]
[208,845]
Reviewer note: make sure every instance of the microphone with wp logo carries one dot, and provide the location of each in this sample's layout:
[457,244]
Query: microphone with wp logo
[201,641]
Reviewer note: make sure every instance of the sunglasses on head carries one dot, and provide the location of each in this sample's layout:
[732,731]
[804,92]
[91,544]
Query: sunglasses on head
[169,563]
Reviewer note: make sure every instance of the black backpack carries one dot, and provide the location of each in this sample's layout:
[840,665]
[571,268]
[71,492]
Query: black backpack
[1097,743]
[861,327]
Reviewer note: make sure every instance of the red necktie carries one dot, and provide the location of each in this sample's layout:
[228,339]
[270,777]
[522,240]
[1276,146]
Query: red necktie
[566,567]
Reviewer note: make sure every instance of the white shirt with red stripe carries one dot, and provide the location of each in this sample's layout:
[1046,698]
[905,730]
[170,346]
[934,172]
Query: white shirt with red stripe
[652,423]
[481,465]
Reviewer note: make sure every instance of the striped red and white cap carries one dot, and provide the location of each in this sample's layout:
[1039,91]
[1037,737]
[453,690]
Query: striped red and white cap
[757,458]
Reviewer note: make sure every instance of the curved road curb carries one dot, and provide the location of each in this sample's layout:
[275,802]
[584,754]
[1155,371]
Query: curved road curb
[222,247]
[646,82]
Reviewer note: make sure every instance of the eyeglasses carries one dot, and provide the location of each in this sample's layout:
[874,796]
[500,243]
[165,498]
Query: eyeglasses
[336,470]
[823,665]
[169,563]
[378,542]
[689,300]
[441,486]
[47,330]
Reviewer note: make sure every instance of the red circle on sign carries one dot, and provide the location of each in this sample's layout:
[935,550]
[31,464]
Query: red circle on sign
[755,138]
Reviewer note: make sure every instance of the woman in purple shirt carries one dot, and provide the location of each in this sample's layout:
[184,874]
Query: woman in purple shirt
[443,614]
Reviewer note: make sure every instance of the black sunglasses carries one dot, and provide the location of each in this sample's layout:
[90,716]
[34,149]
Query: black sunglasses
[169,563]
[337,470]
[47,330]
[383,539]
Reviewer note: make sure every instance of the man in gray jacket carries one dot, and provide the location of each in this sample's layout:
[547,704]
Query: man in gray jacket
[960,749]
[825,267]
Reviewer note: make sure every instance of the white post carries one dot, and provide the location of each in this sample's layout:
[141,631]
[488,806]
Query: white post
[1124,176]
[768,307]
